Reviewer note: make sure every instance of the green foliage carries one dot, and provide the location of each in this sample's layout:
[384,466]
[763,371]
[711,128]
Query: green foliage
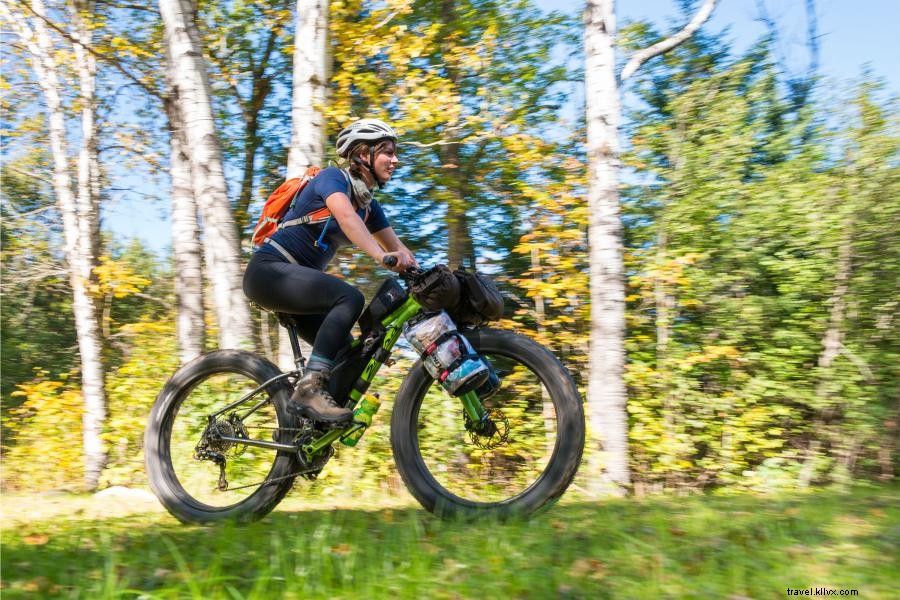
[475,97]
[736,282]
[42,442]
[36,319]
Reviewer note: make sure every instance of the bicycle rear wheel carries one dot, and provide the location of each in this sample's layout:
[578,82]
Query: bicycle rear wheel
[184,446]
[528,463]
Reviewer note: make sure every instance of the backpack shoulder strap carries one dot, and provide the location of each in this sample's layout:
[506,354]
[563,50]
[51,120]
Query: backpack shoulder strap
[321,215]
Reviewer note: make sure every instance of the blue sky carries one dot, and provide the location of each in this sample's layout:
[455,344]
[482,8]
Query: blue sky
[853,35]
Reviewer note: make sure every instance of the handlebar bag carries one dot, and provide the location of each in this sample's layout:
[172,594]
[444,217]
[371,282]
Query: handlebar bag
[480,300]
[436,289]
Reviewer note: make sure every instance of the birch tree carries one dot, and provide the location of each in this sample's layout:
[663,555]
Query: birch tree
[88,200]
[312,69]
[607,417]
[220,236]
[79,210]
[140,59]
[312,66]
[136,56]
[186,247]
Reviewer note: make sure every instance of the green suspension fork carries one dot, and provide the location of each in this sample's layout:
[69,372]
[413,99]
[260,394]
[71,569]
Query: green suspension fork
[473,407]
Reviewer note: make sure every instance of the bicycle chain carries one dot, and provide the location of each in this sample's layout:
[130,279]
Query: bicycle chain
[276,479]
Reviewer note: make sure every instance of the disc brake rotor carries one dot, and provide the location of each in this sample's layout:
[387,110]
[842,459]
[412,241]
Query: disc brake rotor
[492,431]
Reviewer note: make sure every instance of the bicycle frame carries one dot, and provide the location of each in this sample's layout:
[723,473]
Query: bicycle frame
[392,327]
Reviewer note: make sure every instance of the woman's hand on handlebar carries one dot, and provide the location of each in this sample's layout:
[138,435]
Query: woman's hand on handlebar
[399,261]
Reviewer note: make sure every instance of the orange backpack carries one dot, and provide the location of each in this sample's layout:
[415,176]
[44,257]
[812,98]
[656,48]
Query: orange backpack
[278,204]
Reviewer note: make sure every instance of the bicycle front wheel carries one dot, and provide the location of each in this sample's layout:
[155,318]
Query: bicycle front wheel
[197,474]
[527,462]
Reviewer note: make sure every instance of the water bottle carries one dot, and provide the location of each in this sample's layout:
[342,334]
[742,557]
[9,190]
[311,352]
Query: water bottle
[363,414]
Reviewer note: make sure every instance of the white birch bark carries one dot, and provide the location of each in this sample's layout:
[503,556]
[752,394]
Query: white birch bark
[309,94]
[607,419]
[832,342]
[285,352]
[642,56]
[311,73]
[88,208]
[220,238]
[187,253]
[77,226]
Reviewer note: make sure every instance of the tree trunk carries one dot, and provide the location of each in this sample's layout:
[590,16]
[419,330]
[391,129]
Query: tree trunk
[220,237]
[88,209]
[79,217]
[311,74]
[460,251]
[187,253]
[607,414]
[608,459]
[245,197]
[831,348]
[251,109]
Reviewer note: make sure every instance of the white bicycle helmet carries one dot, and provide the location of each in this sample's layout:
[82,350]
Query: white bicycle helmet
[364,130]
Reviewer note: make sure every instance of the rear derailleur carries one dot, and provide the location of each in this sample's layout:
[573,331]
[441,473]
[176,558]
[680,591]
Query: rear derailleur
[213,448]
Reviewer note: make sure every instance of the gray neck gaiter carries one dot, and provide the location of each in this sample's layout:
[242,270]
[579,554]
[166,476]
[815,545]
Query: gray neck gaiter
[362,195]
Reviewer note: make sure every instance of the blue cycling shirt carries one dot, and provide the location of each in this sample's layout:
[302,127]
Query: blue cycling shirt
[300,240]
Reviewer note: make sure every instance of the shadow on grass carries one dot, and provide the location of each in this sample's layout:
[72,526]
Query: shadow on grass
[722,546]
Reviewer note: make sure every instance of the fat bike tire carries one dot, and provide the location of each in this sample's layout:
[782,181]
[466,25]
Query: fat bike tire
[453,477]
[186,486]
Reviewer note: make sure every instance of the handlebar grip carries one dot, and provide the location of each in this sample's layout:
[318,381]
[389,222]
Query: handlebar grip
[389,261]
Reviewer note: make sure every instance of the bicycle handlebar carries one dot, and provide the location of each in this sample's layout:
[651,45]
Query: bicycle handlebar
[408,273]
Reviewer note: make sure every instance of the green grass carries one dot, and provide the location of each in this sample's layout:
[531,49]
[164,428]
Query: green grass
[700,546]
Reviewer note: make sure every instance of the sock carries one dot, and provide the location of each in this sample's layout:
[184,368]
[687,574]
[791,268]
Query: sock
[319,363]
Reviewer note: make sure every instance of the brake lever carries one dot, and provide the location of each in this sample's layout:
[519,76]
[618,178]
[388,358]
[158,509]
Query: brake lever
[412,273]
[409,273]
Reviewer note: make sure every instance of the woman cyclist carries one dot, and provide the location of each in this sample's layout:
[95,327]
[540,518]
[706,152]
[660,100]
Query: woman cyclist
[286,273]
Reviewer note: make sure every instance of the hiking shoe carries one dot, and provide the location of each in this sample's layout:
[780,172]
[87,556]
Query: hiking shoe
[311,400]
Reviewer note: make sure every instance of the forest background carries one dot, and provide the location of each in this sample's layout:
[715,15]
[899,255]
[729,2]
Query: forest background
[758,234]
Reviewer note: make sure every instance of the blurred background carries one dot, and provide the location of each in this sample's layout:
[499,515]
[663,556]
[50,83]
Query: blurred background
[744,212]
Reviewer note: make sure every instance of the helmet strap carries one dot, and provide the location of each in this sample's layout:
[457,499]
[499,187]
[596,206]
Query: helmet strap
[370,166]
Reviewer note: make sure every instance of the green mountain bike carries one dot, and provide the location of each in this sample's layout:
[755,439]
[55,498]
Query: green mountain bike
[220,444]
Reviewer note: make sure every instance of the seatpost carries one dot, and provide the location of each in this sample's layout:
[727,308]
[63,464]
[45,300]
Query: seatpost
[299,361]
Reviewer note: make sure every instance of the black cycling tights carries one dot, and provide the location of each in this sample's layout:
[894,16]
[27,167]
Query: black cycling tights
[328,307]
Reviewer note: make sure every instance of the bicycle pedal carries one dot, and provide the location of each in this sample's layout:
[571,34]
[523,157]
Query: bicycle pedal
[331,426]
